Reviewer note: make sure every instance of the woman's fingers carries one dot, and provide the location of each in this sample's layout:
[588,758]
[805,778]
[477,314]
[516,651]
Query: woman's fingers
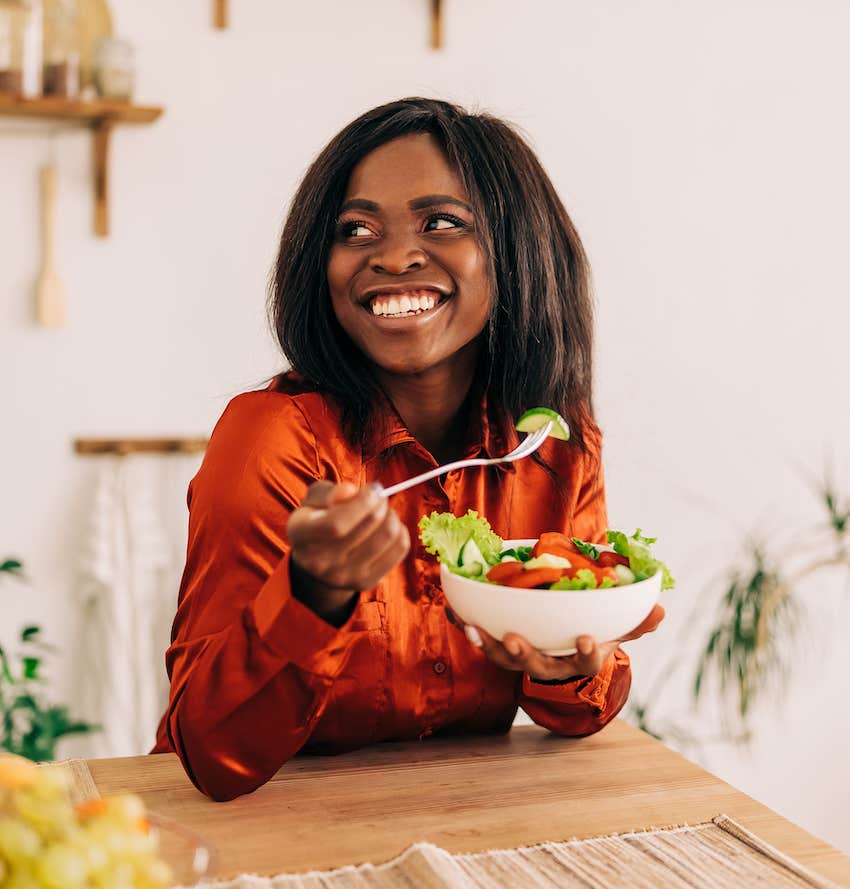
[516,653]
[381,550]
[346,537]
[334,514]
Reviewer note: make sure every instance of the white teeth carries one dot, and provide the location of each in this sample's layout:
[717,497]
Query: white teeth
[411,303]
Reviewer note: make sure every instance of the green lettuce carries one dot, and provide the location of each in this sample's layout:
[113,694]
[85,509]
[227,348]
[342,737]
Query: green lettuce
[520,553]
[591,550]
[637,550]
[585,579]
[444,534]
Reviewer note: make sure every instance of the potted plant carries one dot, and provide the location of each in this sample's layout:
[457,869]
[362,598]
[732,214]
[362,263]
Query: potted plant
[30,725]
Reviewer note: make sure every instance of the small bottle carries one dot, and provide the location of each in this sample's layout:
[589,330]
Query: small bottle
[115,69]
[20,48]
[61,52]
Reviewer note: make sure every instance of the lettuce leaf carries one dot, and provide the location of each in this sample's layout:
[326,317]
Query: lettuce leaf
[591,550]
[443,535]
[585,579]
[637,550]
[520,553]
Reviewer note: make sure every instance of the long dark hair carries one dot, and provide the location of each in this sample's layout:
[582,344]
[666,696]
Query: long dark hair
[540,337]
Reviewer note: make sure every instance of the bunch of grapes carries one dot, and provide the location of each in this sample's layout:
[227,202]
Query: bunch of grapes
[46,843]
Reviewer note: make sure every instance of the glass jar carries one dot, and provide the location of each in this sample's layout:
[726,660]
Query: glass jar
[61,52]
[115,69]
[20,48]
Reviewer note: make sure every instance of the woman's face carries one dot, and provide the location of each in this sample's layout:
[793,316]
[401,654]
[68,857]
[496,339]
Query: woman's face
[407,274]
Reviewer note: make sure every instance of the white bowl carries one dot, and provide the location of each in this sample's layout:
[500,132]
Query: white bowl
[550,619]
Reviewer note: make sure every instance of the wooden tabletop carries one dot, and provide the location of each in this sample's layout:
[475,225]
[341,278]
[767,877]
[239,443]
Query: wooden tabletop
[464,794]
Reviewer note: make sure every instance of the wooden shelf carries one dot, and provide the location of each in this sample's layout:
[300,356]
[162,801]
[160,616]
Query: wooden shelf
[124,446]
[100,117]
[55,108]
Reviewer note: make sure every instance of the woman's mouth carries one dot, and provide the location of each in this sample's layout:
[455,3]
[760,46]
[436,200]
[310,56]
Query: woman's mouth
[405,305]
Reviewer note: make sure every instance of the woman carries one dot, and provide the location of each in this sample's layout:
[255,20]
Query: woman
[429,288]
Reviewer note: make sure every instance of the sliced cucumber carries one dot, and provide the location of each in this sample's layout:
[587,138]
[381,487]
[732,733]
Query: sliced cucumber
[624,575]
[470,554]
[547,560]
[532,420]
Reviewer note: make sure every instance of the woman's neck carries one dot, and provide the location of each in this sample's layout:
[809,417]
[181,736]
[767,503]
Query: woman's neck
[430,403]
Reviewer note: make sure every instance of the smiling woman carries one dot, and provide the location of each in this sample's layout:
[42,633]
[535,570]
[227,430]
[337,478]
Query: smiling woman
[429,288]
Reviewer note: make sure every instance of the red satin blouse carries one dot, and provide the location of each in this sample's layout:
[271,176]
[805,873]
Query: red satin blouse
[256,676]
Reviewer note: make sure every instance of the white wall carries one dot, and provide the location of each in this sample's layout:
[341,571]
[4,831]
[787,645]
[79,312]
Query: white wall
[702,150]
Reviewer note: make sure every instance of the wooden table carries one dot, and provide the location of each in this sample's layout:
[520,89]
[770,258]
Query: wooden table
[465,795]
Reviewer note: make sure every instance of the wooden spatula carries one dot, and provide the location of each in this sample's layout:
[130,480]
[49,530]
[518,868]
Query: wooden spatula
[49,292]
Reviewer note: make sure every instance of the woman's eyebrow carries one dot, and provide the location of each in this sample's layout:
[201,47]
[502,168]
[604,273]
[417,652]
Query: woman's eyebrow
[428,200]
[433,200]
[359,204]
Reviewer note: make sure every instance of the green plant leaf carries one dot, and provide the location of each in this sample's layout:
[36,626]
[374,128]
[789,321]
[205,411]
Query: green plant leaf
[11,566]
[29,634]
[31,665]
[5,672]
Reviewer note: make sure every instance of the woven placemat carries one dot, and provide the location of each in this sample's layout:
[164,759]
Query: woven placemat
[718,854]
[81,785]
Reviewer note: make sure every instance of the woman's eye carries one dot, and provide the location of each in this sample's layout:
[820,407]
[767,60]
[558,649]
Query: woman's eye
[443,221]
[354,230]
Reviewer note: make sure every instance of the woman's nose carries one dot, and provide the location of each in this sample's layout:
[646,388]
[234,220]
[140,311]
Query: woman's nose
[397,255]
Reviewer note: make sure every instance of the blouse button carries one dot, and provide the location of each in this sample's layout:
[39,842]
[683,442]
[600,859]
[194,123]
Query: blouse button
[440,667]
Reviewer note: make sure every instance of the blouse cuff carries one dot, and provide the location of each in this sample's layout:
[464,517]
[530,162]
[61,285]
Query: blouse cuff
[297,633]
[591,690]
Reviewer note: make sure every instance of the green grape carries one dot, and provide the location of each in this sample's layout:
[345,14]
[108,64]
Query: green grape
[95,855]
[62,867]
[48,818]
[18,842]
[51,783]
[22,879]
[128,808]
[118,875]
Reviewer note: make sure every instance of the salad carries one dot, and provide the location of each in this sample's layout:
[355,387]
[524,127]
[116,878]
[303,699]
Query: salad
[468,546]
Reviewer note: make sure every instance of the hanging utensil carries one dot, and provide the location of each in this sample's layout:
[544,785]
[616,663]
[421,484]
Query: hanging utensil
[49,292]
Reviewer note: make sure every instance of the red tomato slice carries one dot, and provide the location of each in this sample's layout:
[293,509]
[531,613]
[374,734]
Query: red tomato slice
[555,544]
[535,577]
[504,571]
[609,560]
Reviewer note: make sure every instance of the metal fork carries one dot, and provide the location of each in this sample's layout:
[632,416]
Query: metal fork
[527,446]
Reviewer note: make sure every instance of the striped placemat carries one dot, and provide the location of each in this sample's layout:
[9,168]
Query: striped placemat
[718,854]
[81,786]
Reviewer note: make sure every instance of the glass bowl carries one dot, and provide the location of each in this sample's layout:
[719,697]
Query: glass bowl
[190,857]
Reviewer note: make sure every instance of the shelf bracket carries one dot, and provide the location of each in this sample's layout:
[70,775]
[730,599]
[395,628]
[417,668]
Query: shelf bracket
[220,13]
[436,24]
[101,131]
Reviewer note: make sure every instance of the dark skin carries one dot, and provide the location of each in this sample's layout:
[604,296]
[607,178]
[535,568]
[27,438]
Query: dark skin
[406,231]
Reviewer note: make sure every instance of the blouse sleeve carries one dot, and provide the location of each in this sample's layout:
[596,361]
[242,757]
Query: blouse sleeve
[251,667]
[584,705]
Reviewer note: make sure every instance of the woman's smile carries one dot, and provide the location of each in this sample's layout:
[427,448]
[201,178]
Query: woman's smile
[403,302]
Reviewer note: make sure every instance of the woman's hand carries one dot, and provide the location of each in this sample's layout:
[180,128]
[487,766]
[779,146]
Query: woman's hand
[344,539]
[516,653]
